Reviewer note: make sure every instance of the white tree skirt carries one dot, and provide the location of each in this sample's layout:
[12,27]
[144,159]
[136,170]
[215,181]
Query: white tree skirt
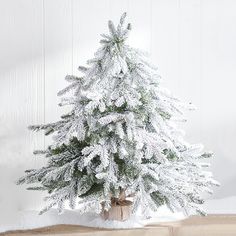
[31,219]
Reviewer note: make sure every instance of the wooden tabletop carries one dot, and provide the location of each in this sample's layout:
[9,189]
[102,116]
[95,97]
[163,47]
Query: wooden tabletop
[211,225]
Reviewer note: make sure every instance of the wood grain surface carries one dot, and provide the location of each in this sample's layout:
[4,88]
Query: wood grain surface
[212,225]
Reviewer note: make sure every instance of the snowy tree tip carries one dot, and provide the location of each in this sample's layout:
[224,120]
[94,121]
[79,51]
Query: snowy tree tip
[129,27]
[122,19]
[119,33]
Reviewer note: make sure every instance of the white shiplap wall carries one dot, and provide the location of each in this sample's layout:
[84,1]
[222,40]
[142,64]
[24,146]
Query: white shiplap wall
[192,41]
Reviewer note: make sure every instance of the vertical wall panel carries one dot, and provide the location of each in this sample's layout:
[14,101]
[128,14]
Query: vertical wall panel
[140,16]
[218,89]
[177,49]
[90,20]
[190,64]
[165,40]
[117,8]
[21,94]
[58,53]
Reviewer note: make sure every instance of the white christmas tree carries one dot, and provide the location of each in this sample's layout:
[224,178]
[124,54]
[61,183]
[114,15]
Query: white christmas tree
[120,138]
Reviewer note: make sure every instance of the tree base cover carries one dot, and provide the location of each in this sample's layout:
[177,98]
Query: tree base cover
[120,210]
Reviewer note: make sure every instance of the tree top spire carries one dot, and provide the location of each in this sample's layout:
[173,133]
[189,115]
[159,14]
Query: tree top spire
[117,34]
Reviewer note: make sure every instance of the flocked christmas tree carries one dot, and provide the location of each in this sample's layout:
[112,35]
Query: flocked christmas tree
[120,138]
